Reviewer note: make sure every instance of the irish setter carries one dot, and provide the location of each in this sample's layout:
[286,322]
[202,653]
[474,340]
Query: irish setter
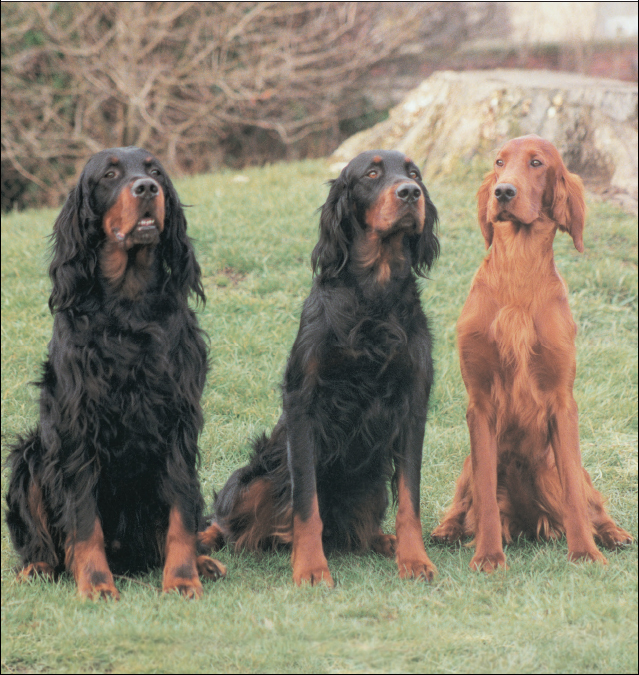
[355,390]
[107,482]
[516,339]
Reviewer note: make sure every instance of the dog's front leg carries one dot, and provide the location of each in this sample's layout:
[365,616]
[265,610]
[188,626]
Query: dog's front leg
[489,553]
[308,559]
[411,556]
[564,438]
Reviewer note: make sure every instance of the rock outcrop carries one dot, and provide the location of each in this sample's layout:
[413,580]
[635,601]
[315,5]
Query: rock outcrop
[456,118]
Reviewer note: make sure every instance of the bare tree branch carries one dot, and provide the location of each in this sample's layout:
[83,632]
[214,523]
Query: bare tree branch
[190,81]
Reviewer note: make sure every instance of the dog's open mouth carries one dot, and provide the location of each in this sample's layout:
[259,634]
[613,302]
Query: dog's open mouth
[146,231]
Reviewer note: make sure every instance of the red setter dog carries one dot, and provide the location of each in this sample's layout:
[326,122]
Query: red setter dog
[516,340]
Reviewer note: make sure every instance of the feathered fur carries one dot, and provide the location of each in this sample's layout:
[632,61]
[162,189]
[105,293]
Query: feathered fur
[356,386]
[516,340]
[108,480]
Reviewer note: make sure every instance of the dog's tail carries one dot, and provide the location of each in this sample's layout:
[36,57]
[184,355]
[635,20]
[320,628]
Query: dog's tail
[253,510]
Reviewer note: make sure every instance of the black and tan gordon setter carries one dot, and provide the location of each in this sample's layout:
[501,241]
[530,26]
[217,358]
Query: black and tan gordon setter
[356,387]
[107,482]
[516,339]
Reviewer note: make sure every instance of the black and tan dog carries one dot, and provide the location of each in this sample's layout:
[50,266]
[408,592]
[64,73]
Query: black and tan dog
[107,482]
[356,387]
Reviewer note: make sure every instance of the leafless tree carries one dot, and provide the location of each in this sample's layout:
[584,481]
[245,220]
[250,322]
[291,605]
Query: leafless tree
[187,80]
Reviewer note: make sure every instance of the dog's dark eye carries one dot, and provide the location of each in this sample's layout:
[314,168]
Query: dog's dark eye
[109,174]
[154,172]
[373,173]
[500,162]
[535,162]
[413,174]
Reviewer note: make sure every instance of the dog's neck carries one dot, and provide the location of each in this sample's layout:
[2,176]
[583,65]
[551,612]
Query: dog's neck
[521,254]
[377,262]
[129,273]
[525,247]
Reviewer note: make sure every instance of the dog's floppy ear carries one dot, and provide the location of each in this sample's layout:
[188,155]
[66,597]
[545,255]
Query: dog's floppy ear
[74,249]
[331,251]
[176,248]
[568,206]
[425,247]
[483,196]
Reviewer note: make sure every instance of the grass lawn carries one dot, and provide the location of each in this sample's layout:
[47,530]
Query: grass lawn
[253,241]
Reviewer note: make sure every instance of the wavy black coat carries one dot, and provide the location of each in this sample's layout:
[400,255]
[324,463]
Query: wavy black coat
[119,395]
[357,382]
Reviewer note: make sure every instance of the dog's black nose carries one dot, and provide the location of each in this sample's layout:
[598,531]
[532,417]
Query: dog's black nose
[145,188]
[505,192]
[408,192]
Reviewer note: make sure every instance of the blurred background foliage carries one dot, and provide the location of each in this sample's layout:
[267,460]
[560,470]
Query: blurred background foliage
[210,84]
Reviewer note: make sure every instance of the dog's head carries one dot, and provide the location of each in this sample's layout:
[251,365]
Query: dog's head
[528,180]
[380,205]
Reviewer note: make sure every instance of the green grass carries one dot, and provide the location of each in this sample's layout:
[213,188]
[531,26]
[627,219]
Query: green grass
[253,240]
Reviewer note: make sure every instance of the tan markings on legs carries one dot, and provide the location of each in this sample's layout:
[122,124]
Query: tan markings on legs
[384,544]
[308,559]
[35,570]
[180,567]
[210,568]
[39,516]
[411,556]
[212,539]
[87,561]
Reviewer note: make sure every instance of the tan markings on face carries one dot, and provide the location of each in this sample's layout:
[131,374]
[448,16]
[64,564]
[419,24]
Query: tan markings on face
[388,208]
[122,217]
[383,213]
[119,223]
[158,204]
[377,159]
[120,220]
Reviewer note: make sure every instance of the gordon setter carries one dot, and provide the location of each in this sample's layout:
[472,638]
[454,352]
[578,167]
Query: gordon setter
[108,481]
[355,390]
[516,339]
